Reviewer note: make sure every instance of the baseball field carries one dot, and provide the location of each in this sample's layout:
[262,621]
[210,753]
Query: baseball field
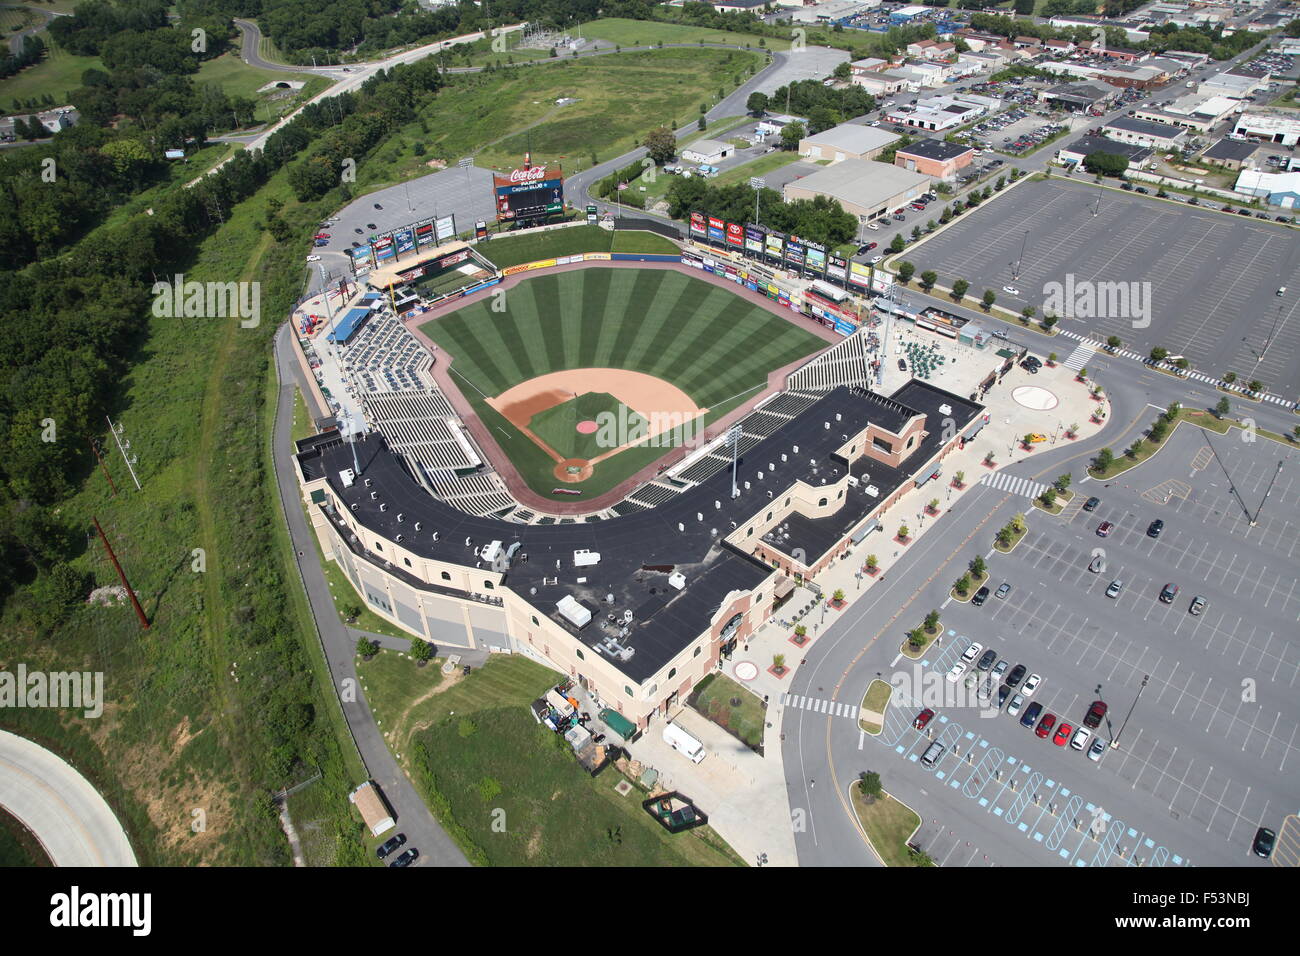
[585,377]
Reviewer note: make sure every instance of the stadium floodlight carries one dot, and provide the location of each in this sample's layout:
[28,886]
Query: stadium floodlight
[733,439]
[758,184]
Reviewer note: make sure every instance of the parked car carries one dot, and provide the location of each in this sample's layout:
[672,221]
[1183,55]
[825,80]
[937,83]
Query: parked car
[1001,667]
[1097,564]
[955,672]
[1003,693]
[985,693]
[876,259]
[1197,606]
[981,596]
[1045,725]
[987,660]
[1115,587]
[1091,504]
[1264,841]
[923,719]
[1003,589]
[1031,685]
[1010,290]
[1155,527]
[391,844]
[1169,592]
[406,859]
[1063,734]
[972,653]
[1097,749]
[1016,703]
[1080,739]
[1105,529]
[1030,716]
[1096,711]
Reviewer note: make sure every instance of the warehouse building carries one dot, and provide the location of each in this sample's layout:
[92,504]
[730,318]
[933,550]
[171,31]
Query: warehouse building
[1138,132]
[865,189]
[1081,97]
[1270,126]
[1230,154]
[708,151]
[934,157]
[1074,153]
[847,141]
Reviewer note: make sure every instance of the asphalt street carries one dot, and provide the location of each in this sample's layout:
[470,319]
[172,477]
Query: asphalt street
[339,643]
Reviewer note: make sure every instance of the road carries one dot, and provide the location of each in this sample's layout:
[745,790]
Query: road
[73,823]
[339,643]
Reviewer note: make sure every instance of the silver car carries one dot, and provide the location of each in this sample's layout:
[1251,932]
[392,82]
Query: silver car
[1016,703]
[1115,587]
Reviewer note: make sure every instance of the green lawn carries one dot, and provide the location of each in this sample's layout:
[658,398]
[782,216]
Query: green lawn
[715,346]
[237,78]
[558,425]
[530,246]
[732,707]
[485,760]
[875,700]
[644,33]
[58,74]
[888,824]
[761,166]
[302,423]
[401,694]
[17,845]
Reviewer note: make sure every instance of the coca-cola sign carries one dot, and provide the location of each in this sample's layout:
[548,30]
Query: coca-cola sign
[529,175]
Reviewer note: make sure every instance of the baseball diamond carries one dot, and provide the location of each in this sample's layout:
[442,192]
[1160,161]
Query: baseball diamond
[650,356]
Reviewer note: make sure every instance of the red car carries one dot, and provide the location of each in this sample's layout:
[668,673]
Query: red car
[322,235]
[1104,529]
[1096,711]
[1063,733]
[923,719]
[1045,728]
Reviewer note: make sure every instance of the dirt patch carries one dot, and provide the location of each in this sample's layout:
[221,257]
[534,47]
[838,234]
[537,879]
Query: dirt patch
[402,733]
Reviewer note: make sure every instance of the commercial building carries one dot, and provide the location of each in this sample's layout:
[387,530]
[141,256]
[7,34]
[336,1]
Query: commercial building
[1074,153]
[1276,189]
[637,609]
[934,157]
[1077,97]
[1269,126]
[938,113]
[847,141]
[1137,132]
[1195,111]
[871,64]
[772,125]
[907,14]
[708,151]
[1142,77]
[865,189]
[883,82]
[1230,154]
[1236,85]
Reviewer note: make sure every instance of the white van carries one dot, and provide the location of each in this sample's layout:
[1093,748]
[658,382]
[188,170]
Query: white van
[683,743]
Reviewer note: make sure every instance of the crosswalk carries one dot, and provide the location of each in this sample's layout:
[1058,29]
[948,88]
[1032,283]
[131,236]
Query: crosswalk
[1087,348]
[831,708]
[1081,356]
[1016,485]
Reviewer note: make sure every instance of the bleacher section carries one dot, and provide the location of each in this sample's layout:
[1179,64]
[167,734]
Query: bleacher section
[789,403]
[421,427]
[480,494]
[385,357]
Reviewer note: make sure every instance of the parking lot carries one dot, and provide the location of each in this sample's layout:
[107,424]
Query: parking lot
[1213,278]
[1209,752]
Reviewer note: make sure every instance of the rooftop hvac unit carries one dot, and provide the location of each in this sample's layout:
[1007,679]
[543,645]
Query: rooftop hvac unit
[795,449]
[784,457]
[374,495]
[627,617]
[838,416]
[398,538]
[417,526]
[400,516]
[771,466]
[383,506]
[760,476]
[348,477]
[585,558]
[435,536]
[572,611]
[826,425]
[677,580]
[491,551]
[746,486]
[354,506]
[468,542]
[699,516]
[367,482]
[873,491]
[680,526]
[945,409]
[716,504]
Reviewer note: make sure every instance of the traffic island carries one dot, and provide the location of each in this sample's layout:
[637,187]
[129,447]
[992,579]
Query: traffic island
[1010,534]
[888,824]
[871,715]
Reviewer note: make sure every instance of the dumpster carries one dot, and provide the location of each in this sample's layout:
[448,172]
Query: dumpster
[618,723]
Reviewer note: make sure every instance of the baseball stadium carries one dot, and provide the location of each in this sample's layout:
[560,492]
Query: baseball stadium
[586,377]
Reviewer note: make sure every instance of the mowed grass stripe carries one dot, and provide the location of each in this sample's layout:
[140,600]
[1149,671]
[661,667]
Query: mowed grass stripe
[519,330]
[610,317]
[766,358]
[644,291]
[469,351]
[745,352]
[577,337]
[715,318]
[548,299]
[662,323]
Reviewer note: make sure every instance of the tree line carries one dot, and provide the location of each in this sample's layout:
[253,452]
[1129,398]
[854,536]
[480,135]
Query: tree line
[820,219]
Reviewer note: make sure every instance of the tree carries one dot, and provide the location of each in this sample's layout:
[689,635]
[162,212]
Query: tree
[1049,320]
[791,134]
[778,661]
[702,124]
[1158,431]
[757,103]
[1255,385]
[1028,312]
[351,611]
[962,584]
[903,532]
[1000,184]
[916,638]
[1229,377]
[1051,358]
[1159,354]
[1132,450]
[661,145]
[421,650]
[977,566]
[1172,411]
[989,298]
[933,504]
[959,477]
[1027,438]
[931,226]
[932,621]
[928,278]
[898,244]
[1103,460]
[366,647]
[905,272]
[872,562]
[1113,342]
[959,289]
[838,596]
[916,232]
[1063,481]
[1105,164]
[842,71]
[869,784]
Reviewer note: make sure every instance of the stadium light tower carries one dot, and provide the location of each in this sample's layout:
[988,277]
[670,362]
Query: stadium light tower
[733,439]
[758,184]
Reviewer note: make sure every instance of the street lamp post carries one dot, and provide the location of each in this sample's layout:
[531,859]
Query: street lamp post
[1114,744]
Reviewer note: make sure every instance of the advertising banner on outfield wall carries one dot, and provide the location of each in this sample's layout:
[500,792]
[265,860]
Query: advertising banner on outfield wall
[735,234]
[816,259]
[540,264]
[698,226]
[384,249]
[754,240]
[837,268]
[405,241]
[859,274]
[717,230]
[775,245]
[444,228]
[794,253]
[424,234]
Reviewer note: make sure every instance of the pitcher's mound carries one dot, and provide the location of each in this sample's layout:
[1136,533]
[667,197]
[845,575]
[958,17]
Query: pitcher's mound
[587,428]
[573,469]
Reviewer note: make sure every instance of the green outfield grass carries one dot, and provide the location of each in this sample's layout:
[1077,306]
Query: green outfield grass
[558,425]
[513,250]
[713,345]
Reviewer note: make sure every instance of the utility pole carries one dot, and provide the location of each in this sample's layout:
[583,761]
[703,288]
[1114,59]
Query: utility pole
[1114,744]
[1268,491]
[94,447]
[121,575]
[1023,243]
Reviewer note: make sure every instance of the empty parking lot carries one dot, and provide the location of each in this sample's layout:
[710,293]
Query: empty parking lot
[1213,276]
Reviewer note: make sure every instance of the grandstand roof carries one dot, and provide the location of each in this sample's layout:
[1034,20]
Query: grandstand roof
[347,326]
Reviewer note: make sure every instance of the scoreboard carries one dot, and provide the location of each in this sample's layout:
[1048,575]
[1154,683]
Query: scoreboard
[530,192]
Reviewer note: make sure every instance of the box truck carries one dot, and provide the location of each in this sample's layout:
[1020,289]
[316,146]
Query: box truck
[683,743]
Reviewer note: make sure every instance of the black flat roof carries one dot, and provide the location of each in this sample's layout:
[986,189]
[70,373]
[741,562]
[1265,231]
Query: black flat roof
[936,149]
[1230,149]
[629,543]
